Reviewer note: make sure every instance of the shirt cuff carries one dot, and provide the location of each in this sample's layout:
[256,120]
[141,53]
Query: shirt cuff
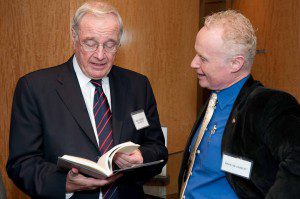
[69,195]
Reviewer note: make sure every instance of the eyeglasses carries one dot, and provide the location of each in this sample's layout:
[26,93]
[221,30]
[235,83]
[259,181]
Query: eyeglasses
[92,46]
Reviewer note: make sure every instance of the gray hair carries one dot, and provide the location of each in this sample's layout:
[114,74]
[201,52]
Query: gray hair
[97,9]
[238,33]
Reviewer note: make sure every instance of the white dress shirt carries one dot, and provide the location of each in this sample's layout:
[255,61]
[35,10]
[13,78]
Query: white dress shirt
[87,90]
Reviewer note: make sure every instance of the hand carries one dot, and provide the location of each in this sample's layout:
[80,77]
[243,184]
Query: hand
[124,160]
[77,182]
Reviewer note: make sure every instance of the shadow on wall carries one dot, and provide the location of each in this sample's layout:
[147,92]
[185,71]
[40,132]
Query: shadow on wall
[2,189]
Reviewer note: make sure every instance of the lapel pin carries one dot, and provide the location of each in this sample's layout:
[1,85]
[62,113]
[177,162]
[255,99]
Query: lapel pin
[233,120]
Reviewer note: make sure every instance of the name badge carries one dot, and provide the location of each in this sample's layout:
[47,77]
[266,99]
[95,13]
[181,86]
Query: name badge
[236,166]
[139,119]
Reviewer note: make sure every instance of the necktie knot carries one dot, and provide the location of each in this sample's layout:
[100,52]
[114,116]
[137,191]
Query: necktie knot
[97,82]
[213,100]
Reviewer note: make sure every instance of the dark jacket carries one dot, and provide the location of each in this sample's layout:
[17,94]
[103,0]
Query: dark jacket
[50,119]
[263,126]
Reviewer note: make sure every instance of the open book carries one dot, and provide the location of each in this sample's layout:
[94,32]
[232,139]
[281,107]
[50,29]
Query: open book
[103,168]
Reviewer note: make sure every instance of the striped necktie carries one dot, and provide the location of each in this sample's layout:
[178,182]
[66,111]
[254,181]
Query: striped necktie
[103,121]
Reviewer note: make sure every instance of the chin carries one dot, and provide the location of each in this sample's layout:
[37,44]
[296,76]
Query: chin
[203,84]
[97,74]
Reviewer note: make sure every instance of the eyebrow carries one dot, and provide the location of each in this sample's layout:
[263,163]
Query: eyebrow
[112,40]
[90,38]
[202,57]
[94,39]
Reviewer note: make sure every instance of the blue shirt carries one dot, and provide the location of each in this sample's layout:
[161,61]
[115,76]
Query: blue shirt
[207,179]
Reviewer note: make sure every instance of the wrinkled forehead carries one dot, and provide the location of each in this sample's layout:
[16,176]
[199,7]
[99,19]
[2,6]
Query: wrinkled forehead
[106,24]
[91,19]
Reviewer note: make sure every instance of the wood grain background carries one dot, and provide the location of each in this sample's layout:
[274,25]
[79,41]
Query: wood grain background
[278,31]
[158,42]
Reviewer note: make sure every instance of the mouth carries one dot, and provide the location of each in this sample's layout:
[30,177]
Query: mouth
[98,64]
[200,75]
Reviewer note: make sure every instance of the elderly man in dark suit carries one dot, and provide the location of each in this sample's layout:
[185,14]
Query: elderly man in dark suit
[82,108]
[246,141]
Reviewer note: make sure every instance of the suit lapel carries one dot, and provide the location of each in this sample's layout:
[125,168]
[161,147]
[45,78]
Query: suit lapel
[70,93]
[118,89]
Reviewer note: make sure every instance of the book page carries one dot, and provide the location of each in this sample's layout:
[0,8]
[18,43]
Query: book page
[83,165]
[102,169]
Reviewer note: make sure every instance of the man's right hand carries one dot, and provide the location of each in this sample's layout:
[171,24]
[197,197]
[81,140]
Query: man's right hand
[77,182]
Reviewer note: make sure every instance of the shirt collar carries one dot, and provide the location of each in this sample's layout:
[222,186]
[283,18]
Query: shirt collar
[82,78]
[227,96]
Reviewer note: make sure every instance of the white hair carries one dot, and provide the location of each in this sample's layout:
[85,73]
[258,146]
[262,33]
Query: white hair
[238,33]
[97,9]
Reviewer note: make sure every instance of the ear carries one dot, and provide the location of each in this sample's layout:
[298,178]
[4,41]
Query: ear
[237,63]
[73,37]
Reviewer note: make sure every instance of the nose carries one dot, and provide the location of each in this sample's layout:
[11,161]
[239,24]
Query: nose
[99,53]
[195,63]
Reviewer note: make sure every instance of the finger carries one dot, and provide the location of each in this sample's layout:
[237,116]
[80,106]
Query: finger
[125,162]
[122,162]
[93,187]
[101,183]
[137,157]
[108,181]
[134,158]
[75,171]
[72,174]
[118,163]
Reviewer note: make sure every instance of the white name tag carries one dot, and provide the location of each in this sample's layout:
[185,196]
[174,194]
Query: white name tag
[139,119]
[237,166]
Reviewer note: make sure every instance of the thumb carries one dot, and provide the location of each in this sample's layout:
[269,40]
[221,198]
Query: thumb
[73,172]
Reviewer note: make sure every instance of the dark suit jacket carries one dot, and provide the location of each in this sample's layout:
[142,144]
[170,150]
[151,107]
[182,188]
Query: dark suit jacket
[50,119]
[263,126]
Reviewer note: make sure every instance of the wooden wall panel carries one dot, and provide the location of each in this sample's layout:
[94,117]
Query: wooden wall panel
[174,161]
[33,35]
[158,42]
[278,31]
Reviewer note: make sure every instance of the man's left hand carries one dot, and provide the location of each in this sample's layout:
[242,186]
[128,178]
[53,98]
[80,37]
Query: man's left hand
[128,160]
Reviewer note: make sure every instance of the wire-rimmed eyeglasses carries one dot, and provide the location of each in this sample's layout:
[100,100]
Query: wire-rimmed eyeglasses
[92,46]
